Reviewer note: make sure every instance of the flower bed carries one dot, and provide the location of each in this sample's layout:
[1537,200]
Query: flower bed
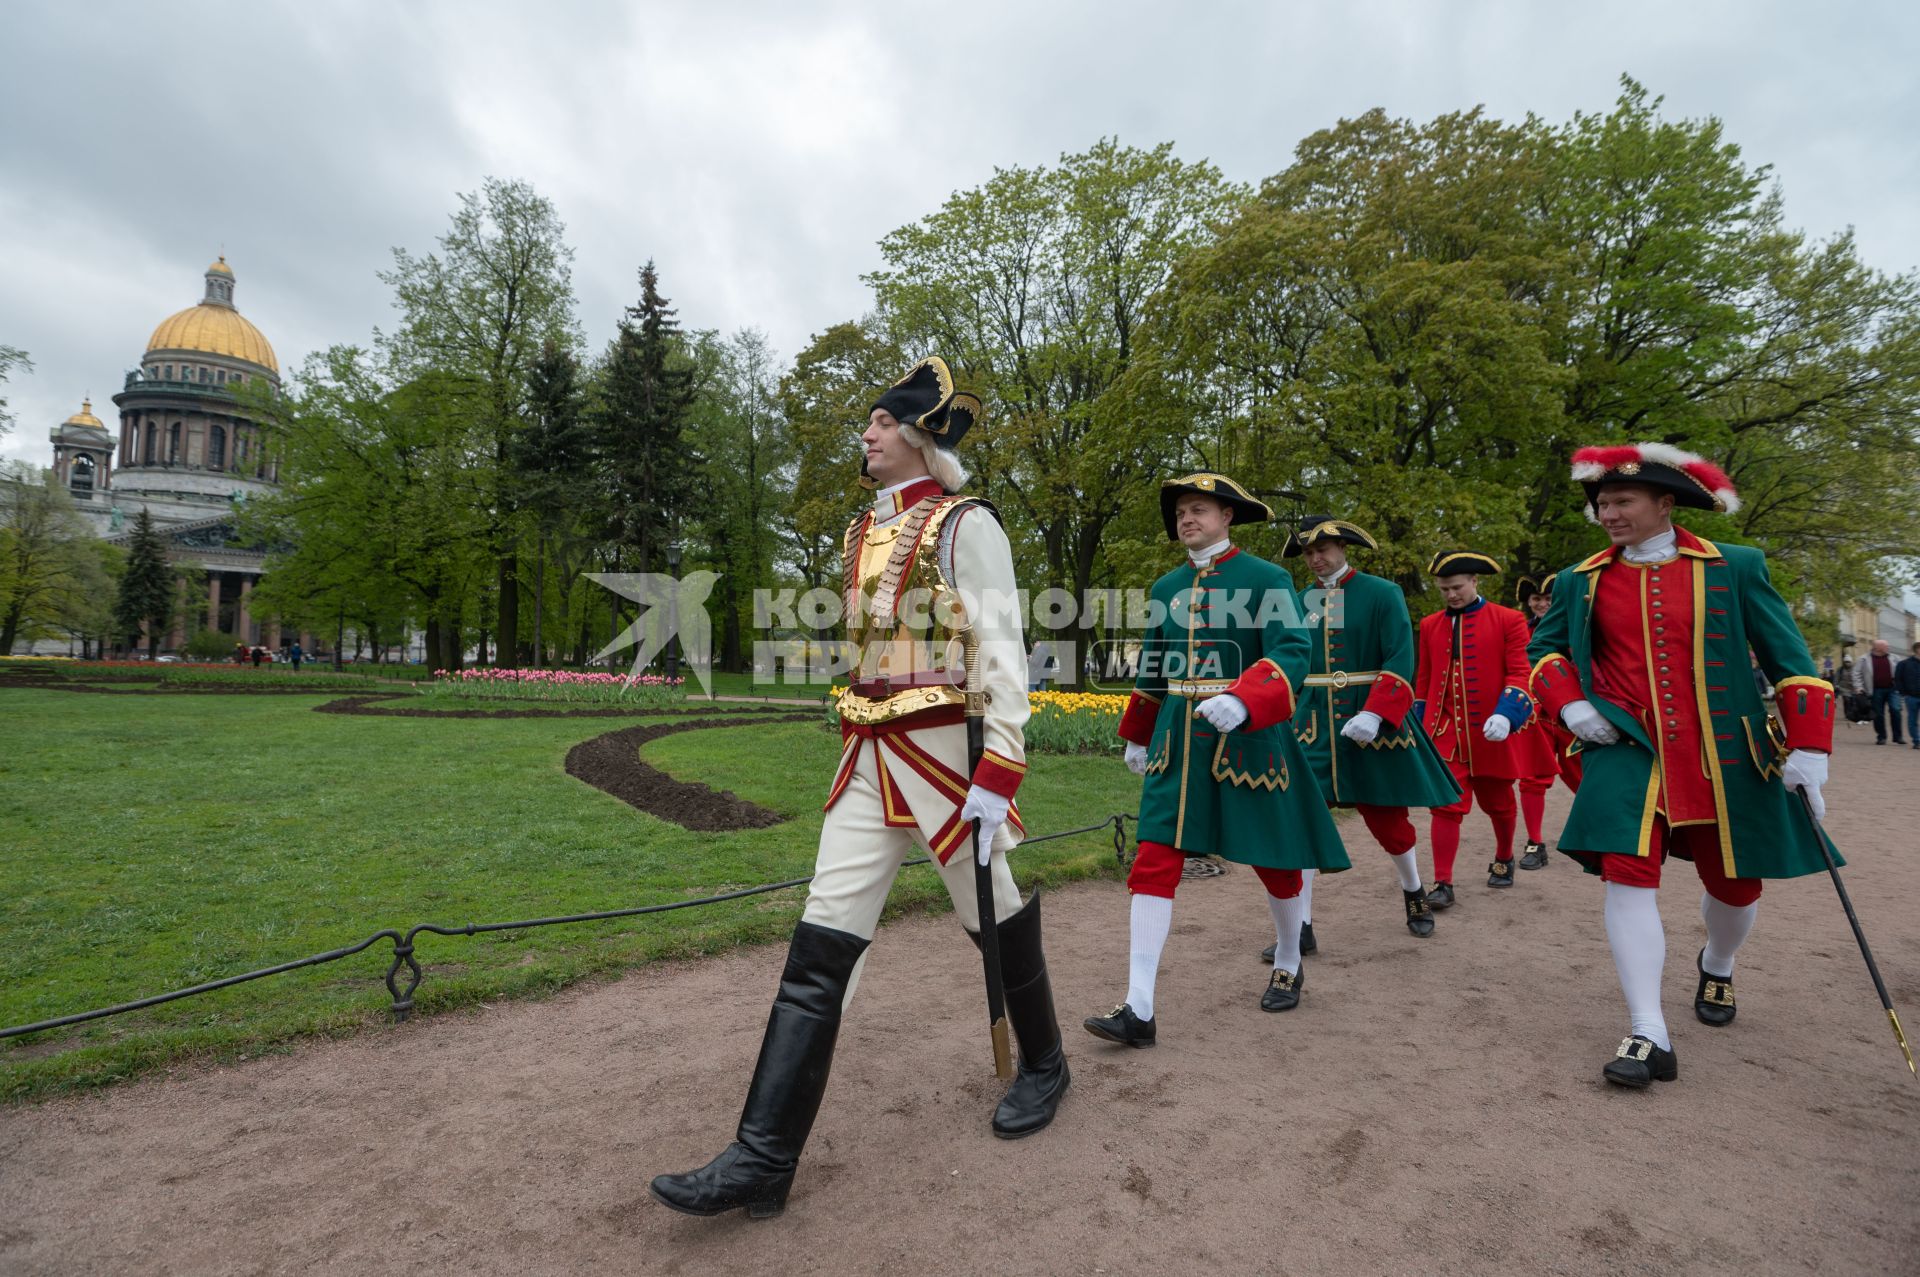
[556,685]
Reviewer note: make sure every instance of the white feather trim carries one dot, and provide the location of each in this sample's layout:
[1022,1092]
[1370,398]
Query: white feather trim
[1666,454]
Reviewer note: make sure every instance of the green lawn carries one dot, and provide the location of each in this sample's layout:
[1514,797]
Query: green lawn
[152,842]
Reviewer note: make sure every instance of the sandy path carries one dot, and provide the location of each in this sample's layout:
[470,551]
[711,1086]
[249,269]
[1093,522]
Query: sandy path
[1432,1108]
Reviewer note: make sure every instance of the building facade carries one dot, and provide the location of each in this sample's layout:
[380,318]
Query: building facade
[189,451]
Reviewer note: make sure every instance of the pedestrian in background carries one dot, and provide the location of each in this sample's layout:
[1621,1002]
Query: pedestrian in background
[1906,681]
[1873,677]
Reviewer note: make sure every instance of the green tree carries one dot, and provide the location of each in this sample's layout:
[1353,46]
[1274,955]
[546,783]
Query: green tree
[148,588]
[478,314]
[379,515]
[1417,324]
[1035,286]
[11,358]
[648,395]
[47,558]
[824,400]
[552,463]
[736,430]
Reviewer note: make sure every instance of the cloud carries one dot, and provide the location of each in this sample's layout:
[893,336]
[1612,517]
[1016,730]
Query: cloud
[758,151]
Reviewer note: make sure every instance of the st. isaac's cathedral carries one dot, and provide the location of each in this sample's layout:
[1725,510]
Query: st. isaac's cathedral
[186,452]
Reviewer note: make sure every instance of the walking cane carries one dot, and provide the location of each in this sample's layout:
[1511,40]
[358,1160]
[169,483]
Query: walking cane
[983,873]
[1873,968]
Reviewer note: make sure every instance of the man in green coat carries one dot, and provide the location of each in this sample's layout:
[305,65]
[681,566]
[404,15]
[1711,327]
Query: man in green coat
[1355,718]
[1643,655]
[1208,729]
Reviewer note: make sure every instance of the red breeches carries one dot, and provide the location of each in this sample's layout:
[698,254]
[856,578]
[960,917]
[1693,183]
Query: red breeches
[1496,799]
[1156,872]
[1702,842]
[1389,827]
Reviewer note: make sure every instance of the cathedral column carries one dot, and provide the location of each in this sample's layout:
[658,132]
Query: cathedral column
[178,638]
[213,600]
[242,623]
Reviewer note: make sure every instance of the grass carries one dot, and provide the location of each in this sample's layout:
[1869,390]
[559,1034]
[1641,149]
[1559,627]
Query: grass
[152,842]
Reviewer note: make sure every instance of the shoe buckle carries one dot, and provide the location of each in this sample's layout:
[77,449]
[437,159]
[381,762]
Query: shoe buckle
[1718,992]
[1639,1049]
[1418,907]
[1282,980]
[1502,868]
[1118,1013]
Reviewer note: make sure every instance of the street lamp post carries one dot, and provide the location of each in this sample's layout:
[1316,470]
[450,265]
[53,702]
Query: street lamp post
[673,617]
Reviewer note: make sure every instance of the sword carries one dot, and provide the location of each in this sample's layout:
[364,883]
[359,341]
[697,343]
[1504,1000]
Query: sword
[1873,968]
[976,701]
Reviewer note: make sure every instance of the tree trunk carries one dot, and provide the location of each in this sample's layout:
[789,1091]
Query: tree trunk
[433,646]
[539,599]
[507,633]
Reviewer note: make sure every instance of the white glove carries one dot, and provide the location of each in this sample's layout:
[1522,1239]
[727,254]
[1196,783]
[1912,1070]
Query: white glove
[1807,769]
[1136,759]
[990,809]
[1496,727]
[1584,721]
[1362,727]
[1225,711]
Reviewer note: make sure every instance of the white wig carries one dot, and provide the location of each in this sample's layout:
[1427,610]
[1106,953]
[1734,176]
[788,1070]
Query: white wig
[947,470]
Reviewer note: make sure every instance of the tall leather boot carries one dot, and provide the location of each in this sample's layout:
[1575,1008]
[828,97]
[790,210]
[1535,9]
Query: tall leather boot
[756,1170]
[1041,1083]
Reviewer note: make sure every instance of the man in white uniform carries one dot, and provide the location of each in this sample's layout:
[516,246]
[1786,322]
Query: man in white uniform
[927,573]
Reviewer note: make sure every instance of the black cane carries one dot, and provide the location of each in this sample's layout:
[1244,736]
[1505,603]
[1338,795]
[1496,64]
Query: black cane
[983,873]
[1873,968]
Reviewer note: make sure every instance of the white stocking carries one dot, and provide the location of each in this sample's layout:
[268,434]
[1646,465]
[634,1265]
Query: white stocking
[1639,954]
[1152,919]
[1406,866]
[1727,928]
[1288,914]
[1306,895]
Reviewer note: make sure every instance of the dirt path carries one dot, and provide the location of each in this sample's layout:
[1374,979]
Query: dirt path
[1432,1108]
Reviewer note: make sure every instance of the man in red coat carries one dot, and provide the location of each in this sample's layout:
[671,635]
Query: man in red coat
[1470,689]
[1549,742]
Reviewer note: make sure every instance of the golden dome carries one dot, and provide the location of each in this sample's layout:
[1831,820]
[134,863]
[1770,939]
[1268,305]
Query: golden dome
[84,417]
[217,330]
[220,267]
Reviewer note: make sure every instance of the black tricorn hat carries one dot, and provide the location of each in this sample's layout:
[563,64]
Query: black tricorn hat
[1526,587]
[1316,528]
[1462,563]
[1245,506]
[925,398]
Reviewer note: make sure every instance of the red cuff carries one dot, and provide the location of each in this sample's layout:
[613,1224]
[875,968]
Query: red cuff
[1391,699]
[1265,692]
[1556,685]
[1000,774]
[1806,710]
[1136,725]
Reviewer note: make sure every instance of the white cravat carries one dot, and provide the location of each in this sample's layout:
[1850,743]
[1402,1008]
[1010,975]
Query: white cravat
[1331,582]
[1205,558]
[1652,550]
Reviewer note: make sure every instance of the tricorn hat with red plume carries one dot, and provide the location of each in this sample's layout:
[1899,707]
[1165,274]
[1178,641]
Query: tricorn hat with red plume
[1693,481]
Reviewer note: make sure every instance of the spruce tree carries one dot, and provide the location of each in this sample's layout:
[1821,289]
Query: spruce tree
[146,590]
[649,394]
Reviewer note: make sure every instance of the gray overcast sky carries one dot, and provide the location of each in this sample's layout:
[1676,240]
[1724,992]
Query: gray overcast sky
[758,151]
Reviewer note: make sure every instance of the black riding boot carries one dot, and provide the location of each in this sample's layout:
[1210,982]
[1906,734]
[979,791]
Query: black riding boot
[1037,1089]
[756,1170]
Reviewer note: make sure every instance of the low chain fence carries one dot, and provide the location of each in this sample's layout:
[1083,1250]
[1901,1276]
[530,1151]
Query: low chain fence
[402,988]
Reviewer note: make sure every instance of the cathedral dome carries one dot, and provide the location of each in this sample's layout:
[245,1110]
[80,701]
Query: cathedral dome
[214,327]
[84,418]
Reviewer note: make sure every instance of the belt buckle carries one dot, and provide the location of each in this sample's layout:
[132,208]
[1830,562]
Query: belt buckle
[1190,689]
[1339,678]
